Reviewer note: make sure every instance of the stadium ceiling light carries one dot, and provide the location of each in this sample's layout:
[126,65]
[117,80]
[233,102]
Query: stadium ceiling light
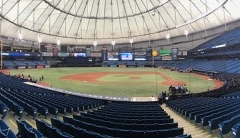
[186,32]
[58,42]
[131,41]
[95,43]
[167,36]
[39,40]
[113,42]
[20,36]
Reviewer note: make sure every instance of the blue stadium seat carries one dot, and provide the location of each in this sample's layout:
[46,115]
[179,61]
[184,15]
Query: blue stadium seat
[236,131]
[5,131]
[138,133]
[124,133]
[165,133]
[176,132]
[183,136]
[3,109]
[41,126]
[26,130]
[61,134]
[151,134]
[51,131]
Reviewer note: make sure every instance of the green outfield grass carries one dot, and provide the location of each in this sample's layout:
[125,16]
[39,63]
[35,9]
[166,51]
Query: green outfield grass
[123,85]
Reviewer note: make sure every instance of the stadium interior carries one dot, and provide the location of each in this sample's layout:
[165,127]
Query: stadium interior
[186,36]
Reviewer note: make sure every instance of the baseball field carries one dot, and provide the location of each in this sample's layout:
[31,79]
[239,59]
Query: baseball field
[121,82]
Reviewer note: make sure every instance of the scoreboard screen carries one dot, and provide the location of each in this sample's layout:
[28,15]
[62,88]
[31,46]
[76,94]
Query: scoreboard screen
[126,56]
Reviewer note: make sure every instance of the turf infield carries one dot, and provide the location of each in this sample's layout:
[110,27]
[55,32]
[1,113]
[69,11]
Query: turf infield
[121,82]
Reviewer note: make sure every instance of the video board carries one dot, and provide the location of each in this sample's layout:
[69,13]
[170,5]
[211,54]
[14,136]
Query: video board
[126,55]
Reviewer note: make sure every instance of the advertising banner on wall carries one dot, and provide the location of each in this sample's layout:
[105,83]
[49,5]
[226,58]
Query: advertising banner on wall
[164,52]
[104,53]
[88,52]
[79,54]
[140,56]
[184,53]
[96,55]
[61,54]
[49,47]
[55,51]
[166,57]
[149,54]
[76,49]
[113,56]
[174,53]
[47,54]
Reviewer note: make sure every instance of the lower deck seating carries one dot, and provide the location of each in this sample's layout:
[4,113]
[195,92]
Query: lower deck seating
[125,119]
[32,100]
[117,119]
[217,113]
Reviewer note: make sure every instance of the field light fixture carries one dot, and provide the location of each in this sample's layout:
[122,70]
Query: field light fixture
[131,41]
[20,36]
[113,42]
[58,42]
[95,43]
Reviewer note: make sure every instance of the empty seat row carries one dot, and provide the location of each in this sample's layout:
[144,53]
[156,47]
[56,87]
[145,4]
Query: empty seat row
[13,106]
[124,132]
[127,125]
[50,131]
[136,119]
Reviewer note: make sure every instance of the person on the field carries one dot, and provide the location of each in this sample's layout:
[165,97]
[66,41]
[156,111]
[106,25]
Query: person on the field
[170,88]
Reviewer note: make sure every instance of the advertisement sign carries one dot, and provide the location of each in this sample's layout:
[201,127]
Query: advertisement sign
[140,56]
[164,52]
[79,54]
[126,55]
[104,53]
[61,54]
[96,55]
[149,54]
[174,53]
[88,52]
[55,51]
[167,58]
[47,54]
[112,55]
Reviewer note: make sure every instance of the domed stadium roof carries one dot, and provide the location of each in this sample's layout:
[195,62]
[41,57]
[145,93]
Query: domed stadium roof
[84,21]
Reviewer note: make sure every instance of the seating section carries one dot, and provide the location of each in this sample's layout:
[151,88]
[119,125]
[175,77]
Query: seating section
[12,64]
[123,119]
[217,113]
[12,105]
[35,100]
[226,66]
[118,119]
[51,131]
[234,95]
[228,38]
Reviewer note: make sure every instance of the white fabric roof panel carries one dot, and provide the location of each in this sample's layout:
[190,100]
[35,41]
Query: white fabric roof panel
[84,21]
